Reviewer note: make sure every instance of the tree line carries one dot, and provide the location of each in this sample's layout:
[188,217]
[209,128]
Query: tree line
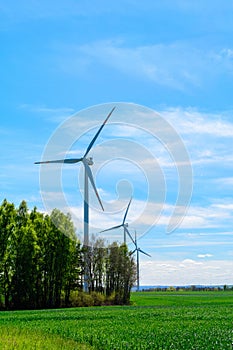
[41,267]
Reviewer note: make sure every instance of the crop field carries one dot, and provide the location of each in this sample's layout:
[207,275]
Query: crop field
[156,320]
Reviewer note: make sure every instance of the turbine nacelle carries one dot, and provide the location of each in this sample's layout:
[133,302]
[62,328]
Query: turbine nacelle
[124,225]
[90,161]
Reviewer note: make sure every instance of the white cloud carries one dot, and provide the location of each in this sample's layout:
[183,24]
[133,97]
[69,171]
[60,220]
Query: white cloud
[186,272]
[202,256]
[190,121]
[190,262]
[228,53]
[213,216]
[227,207]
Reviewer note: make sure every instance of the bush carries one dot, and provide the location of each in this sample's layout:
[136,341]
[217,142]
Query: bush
[79,298]
[98,298]
[87,299]
[75,299]
[171,289]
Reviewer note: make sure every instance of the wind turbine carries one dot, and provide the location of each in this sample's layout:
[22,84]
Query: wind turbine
[87,175]
[138,250]
[123,224]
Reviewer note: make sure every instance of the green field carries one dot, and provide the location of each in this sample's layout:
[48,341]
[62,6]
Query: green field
[156,320]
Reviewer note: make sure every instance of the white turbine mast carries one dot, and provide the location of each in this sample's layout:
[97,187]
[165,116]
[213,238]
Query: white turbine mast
[138,250]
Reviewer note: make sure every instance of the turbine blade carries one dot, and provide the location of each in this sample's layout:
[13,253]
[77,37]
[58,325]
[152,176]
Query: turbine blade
[97,134]
[141,251]
[70,161]
[128,233]
[90,176]
[126,212]
[135,242]
[131,253]
[112,228]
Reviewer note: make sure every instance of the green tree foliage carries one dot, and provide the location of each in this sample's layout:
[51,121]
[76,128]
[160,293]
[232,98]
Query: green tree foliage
[96,259]
[120,273]
[7,227]
[42,262]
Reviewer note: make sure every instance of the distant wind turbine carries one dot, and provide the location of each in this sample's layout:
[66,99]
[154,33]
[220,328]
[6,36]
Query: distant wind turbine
[87,175]
[138,250]
[124,225]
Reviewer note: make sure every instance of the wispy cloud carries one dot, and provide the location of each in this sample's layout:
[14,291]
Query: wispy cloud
[179,65]
[157,63]
[144,216]
[224,181]
[55,115]
[44,109]
[190,121]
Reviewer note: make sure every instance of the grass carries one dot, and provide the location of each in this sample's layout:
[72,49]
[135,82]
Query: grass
[25,339]
[156,320]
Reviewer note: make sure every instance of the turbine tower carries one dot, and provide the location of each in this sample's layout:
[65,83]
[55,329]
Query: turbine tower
[138,250]
[124,225]
[87,162]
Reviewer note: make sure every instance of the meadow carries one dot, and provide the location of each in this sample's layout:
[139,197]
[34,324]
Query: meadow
[155,320]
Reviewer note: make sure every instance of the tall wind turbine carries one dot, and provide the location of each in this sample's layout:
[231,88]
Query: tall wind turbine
[123,224]
[87,175]
[138,250]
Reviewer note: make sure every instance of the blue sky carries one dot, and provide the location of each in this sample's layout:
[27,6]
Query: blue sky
[173,57]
